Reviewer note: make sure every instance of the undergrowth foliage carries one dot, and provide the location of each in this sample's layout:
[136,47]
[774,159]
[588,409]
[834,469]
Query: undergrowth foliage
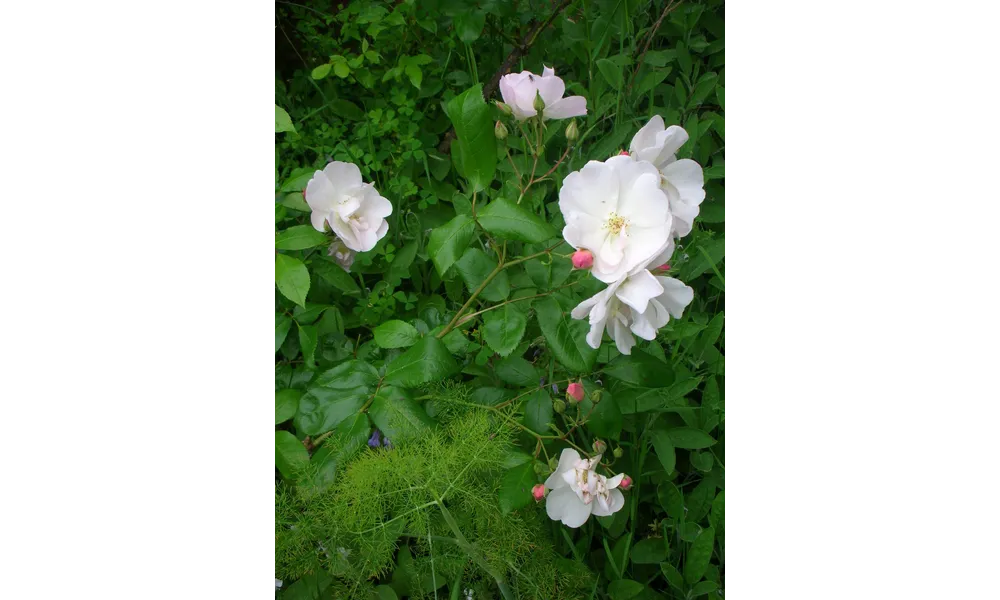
[499,329]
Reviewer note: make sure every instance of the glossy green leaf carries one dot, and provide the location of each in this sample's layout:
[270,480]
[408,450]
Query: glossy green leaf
[476,143]
[308,338]
[510,221]
[282,324]
[664,450]
[286,404]
[640,369]
[282,122]
[703,588]
[292,278]
[649,551]
[673,575]
[698,556]
[566,337]
[396,334]
[514,370]
[503,328]
[690,438]
[624,589]
[448,242]
[426,361]
[300,237]
[321,71]
[515,487]
[290,456]
[335,275]
[335,395]
[474,267]
[538,411]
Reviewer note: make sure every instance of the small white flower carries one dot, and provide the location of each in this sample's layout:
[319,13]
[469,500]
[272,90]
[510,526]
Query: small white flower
[640,303]
[683,181]
[578,491]
[277,583]
[519,90]
[617,211]
[354,210]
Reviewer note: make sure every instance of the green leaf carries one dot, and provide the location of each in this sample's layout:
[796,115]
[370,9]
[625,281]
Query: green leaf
[335,395]
[385,592]
[400,267]
[469,25]
[640,369]
[517,371]
[414,74]
[672,500]
[449,242]
[673,575]
[474,267]
[282,122]
[341,70]
[427,361]
[335,275]
[347,438]
[292,278]
[321,71]
[606,418]
[281,326]
[703,88]
[565,337]
[703,461]
[623,589]
[550,272]
[612,73]
[649,81]
[664,450]
[290,456]
[649,551]
[703,588]
[508,220]
[699,501]
[720,95]
[286,403]
[347,109]
[308,337]
[396,334]
[503,328]
[717,516]
[698,556]
[538,411]
[299,237]
[398,415]
[476,145]
[690,438]
[715,248]
[515,487]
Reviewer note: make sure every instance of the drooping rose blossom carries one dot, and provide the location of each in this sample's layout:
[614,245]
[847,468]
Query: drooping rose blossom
[520,89]
[578,491]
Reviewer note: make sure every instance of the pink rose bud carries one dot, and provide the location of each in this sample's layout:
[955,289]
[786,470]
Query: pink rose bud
[663,267]
[626,483]
[538,492]
[600,446]
[583,259]
[575,391]
[623,153]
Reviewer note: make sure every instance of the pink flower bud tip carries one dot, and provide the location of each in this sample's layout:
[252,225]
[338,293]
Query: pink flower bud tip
[623,153]
[626,483]
[575,391]
[583,259]
[538,492]
[663,267]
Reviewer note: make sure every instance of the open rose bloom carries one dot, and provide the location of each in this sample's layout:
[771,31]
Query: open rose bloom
[354,210]
[519,89]
[578,491]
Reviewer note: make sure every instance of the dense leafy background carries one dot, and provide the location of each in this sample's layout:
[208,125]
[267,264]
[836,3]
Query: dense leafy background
[382,85]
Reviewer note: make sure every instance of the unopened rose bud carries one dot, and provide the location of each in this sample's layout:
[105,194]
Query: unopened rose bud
[600,447]
[572,133]
[559,406]
[553,463]
[626,483]
[539,104]
[583,259]
[500,131]
[575,391]
[623,153]
[618,452]
[504,109]
[538,492]
[595,396]
[542,468]
[663,267]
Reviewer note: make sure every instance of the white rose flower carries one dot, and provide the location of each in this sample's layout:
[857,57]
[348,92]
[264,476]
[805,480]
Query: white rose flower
[617,211]
[683,180]
[640,303]
[519,89]
[354,210]
[342,254]
[578,491]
